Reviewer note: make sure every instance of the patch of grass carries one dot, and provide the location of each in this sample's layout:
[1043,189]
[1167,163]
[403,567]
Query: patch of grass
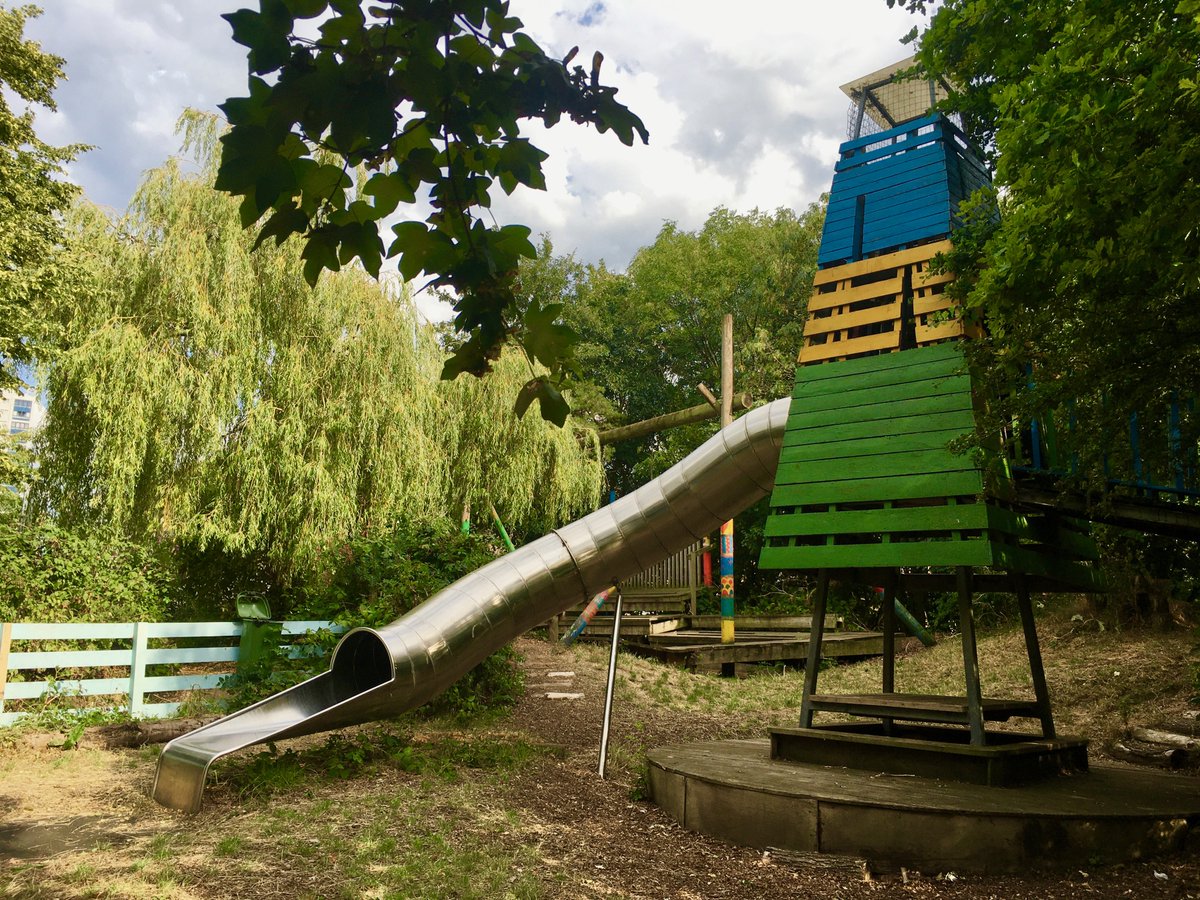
[386,746]
[230,845]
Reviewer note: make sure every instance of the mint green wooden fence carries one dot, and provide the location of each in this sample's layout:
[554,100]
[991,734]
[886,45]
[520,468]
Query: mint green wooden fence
[134,688]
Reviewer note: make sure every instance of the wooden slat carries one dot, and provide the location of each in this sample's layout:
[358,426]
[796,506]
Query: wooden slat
[886,261]
[876,556]
[851,403]
[894,426]
[957,517]
[888,340]
[942,403]
[907,365]
[921,707]
[888,465]
[872,490]
[67,659]
[874,445]
[888,312]
[70,631]
[844,296]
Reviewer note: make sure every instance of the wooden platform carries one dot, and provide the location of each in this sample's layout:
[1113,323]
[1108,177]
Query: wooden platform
[735,791]
[693,650]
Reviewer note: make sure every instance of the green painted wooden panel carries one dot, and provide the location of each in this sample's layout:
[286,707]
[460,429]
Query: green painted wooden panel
[871,490]
[959,421]
[850,401]
[876,445]
[959,517]
[919,406]
[873,556]
[887,465]
[881,370]
[918,356]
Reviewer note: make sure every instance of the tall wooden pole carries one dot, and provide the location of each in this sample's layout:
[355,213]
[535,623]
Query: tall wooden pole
[727,628]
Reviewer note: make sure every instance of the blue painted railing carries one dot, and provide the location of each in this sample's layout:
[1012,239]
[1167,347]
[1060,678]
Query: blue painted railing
[135,687]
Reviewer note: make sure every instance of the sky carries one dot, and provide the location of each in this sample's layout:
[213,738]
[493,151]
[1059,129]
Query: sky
[741,101]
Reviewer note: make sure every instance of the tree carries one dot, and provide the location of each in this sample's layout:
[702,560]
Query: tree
[1090,112]
[428,95]
[204,395]
[32,195]
[649,336]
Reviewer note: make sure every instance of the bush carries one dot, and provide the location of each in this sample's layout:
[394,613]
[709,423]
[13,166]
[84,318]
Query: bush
[52,574]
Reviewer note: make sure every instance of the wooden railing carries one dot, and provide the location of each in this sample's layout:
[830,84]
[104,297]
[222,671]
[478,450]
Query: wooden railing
[208,642]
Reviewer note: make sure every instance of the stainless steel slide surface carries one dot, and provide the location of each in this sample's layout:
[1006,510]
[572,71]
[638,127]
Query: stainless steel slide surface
[379,673]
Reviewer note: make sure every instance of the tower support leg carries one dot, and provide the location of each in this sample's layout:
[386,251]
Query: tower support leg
[1034,650]
[970,656]
[812,666]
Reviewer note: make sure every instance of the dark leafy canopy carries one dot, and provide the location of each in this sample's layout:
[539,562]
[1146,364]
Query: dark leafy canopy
[428,95]
[31,193]
[1091,113]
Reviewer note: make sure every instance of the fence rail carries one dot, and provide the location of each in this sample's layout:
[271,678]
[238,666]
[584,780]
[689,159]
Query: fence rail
[137,657]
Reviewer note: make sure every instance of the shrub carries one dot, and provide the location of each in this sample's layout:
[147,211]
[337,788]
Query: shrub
[52,574]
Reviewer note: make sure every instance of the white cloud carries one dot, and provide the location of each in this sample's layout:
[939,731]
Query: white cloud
[741,101]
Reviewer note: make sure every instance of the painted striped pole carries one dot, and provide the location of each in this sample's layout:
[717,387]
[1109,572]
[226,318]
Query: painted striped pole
[727,630]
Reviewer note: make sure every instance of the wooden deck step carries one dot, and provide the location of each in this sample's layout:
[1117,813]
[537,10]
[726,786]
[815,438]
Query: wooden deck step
[921,707]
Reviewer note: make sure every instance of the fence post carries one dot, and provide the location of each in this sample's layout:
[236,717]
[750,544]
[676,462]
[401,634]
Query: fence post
[5,643]
[137,670]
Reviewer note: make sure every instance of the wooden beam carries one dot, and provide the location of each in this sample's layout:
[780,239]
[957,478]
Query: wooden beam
[689,416]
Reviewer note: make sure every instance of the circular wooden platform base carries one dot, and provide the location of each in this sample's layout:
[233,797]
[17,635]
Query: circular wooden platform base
[733,790]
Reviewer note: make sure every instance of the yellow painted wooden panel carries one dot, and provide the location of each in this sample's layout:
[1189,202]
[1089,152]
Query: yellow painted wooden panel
[852,320]
[891,287]
[889,340]
[952,329]
[926,279]
[932,304]
[876,263]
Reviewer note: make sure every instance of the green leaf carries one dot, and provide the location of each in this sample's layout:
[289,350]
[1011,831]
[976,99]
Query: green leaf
[389,191]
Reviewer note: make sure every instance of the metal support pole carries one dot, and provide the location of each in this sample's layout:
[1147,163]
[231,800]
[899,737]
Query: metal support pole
[612,680]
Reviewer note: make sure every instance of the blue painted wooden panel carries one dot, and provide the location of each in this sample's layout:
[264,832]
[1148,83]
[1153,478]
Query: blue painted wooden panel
[849,147]
[888,195]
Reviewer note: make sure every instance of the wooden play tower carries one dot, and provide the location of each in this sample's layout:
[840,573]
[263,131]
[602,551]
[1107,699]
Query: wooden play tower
[873,489]
[869,489]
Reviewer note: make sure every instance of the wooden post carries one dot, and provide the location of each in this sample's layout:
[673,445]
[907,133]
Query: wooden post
[889,638]
[1034,651]
[970,656]
[812,665]
[727,591]
[5,643]
[137,670]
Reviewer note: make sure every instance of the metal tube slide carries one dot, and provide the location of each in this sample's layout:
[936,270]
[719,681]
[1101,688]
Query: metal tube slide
[379,673]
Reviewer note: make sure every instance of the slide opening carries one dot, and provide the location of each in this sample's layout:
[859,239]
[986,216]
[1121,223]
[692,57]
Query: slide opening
[361,662]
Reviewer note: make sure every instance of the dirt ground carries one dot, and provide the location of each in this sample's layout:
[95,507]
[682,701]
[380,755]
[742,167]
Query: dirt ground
[80,823]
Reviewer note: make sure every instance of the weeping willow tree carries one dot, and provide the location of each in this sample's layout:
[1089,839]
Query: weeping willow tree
[204,394]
